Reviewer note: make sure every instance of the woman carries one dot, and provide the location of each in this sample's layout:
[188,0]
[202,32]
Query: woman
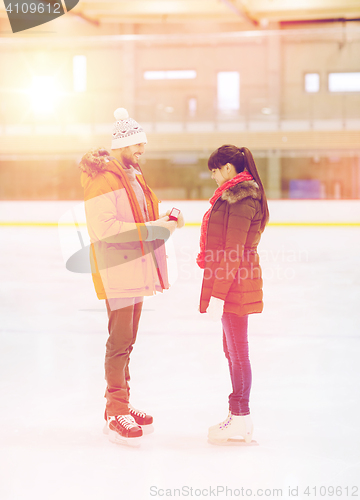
[232,283]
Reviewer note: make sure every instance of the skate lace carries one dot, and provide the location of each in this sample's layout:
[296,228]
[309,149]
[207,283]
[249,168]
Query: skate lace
[226,422]
[126,421]
[138,413]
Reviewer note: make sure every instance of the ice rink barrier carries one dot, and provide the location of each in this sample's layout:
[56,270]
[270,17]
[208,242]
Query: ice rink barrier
[282,212]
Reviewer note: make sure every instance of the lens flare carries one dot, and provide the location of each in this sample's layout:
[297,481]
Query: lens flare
[44,94]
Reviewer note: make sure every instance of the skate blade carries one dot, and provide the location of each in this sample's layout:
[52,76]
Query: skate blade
[115,438]
[147,429]
[232,442]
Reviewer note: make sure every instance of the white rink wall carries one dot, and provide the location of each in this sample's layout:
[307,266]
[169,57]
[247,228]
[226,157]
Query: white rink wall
[281,211]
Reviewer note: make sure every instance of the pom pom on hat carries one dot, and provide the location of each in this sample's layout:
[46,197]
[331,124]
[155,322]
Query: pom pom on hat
[126,131]
[121,114]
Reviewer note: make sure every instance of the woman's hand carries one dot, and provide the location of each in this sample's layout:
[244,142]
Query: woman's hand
[215,308]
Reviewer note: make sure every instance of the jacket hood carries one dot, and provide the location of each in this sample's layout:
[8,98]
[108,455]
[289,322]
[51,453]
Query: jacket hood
[244,189]
[95,161]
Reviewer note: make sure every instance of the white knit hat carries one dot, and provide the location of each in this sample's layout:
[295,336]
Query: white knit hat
[126,131]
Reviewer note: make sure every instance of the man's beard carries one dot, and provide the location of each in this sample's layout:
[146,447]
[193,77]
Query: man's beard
[129,163]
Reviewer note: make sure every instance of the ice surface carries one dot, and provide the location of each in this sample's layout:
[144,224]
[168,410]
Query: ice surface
[305,360]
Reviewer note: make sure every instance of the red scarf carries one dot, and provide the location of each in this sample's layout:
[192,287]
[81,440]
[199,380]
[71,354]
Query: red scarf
[243,176]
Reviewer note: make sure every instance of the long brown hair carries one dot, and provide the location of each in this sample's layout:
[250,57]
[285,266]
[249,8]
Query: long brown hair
[242,159]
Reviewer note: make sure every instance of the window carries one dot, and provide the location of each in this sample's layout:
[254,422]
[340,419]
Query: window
[187,74]
[344,82]
[192,106]
[228,91]
[312,82]
[79,73]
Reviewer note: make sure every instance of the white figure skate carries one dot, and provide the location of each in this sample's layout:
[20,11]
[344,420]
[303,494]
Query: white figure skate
[235,430]
[225,423]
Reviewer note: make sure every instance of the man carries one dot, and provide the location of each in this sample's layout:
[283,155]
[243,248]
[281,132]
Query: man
[128,260]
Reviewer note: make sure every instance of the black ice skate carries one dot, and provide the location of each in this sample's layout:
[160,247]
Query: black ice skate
[142,419]
[122,429]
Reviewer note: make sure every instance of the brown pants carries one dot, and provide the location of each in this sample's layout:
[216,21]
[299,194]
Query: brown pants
[123,327]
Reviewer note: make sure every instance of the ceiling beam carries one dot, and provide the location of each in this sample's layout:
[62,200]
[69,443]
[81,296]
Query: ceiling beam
[239,12]
[226,11]
[283,10]
[157,7]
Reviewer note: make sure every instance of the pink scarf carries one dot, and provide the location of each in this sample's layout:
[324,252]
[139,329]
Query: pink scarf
[243,176]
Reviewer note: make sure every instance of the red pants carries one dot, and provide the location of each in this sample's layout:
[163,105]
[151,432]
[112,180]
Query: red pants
[123,327]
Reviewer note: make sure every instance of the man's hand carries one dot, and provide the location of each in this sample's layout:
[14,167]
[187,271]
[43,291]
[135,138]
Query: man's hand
[171,225]
[161,216]
[180,221]
[154,228]
[215,308]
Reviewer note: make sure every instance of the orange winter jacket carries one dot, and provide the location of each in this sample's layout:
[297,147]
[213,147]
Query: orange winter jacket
[123,264]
